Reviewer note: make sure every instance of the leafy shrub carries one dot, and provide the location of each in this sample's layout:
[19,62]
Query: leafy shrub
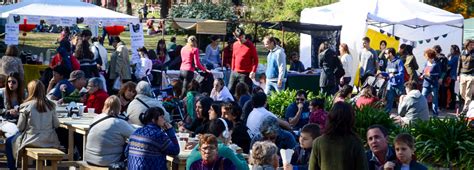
[279,101]
[367,116]
[444,142]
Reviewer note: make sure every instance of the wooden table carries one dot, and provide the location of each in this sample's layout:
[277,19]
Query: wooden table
[80,126]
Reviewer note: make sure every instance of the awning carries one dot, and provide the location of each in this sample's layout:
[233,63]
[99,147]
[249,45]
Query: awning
[202,26]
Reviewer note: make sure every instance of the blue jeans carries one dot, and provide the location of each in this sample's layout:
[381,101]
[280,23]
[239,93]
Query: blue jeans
[434,92]
[392,92]
[11,163]
[273,86]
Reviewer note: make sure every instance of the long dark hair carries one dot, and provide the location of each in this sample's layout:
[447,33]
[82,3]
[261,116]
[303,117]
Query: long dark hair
[340,120]
[153,113]
[83,51]
[158,50]
[206,103]
[20,90]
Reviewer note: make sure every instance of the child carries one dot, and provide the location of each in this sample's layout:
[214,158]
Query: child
[317,114]
[300,158]
[405,150]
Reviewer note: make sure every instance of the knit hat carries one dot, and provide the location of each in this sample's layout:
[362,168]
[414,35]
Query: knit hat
[77,74]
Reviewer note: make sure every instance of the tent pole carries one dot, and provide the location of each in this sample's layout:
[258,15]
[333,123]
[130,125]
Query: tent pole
[283,38]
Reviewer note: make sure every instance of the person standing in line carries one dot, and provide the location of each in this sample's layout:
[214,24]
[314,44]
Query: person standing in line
[368,60]
[430,76]
[346,60]
[329,63]
[244,61]
[466,74]
[442,61]
[395,71]
[119,62]
[190,60]
[276,66]
[453,59]
[409,60]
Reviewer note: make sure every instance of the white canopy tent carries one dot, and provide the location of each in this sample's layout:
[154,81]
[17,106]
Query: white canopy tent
[68,13]
[413,22]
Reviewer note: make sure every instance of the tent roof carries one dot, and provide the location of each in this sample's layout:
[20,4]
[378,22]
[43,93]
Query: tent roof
[412,13]
[64,9]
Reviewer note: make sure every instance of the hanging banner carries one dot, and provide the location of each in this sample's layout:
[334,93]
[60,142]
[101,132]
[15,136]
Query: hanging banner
[33,19]
[12,33]
[67,21]
[136,40]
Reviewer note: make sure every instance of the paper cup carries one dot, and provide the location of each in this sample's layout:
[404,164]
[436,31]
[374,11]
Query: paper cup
[90,110]
[286,155]
[182,145]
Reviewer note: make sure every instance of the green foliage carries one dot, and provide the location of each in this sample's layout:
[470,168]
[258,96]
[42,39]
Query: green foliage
[273,11]
[444,142]
[367,116]
[203,11]
[279,101]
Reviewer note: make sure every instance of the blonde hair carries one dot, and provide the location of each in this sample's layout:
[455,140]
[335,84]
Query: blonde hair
[191,40]
[37,92]
[262,153]
[112,106]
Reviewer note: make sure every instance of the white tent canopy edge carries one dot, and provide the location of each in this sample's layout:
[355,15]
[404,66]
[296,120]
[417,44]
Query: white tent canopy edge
[411,20]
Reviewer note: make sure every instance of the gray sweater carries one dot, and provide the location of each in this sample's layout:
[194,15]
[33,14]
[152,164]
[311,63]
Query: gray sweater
[414,106]
[106,140]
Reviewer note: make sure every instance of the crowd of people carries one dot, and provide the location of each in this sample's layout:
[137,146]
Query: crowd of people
[232,118]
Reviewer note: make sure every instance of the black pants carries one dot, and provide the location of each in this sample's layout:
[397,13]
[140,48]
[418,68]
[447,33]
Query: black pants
[236,77]
[186,77]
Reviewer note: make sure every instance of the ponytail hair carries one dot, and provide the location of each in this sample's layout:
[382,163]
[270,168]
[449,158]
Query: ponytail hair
[153,113]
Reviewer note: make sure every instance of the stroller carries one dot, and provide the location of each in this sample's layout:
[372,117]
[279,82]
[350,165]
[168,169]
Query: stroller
[380,85]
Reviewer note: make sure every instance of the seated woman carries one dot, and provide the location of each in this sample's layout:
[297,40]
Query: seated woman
[220,128]
[367,97]
[265,156]
[220,92]
[126,94]
[192,94]
[12,95]
[272,132]
[201,123]
[148,146]
[343,94]
[96,94]
[215,111]
[36,123]
[232,112]
[210,158]
[107,135]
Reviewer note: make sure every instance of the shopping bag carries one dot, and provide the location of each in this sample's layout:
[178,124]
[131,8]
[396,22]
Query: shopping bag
[117,83]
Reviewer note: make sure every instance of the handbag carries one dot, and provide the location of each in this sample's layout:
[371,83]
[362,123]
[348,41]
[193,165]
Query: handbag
[117,83]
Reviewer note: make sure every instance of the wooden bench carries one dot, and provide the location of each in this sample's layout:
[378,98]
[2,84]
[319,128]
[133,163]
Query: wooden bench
[41,155]
[85,166]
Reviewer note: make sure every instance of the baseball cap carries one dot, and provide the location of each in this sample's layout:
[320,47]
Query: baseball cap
[77,74]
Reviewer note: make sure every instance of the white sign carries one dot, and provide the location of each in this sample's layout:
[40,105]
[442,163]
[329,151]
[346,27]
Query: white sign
[33,19]
[53,21]
[67,21]
[137,40]
[12,32]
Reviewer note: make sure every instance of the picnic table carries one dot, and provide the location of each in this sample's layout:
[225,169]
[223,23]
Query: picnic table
[80,126]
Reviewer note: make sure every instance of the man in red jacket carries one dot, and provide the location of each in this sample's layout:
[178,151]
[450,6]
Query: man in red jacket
[244,61]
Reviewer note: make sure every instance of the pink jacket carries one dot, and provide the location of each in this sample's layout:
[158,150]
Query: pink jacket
[190,59]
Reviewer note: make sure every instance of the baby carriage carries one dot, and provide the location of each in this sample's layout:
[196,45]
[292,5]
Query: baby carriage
[379,83]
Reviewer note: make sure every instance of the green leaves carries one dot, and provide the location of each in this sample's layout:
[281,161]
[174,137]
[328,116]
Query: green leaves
[367,116]
[279,101]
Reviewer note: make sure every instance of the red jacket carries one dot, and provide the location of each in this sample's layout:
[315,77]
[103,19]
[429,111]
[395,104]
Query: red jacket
[244,57]
[96,100]
[57,61]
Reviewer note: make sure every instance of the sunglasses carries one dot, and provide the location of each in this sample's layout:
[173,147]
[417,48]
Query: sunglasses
[300,99]
[11,81]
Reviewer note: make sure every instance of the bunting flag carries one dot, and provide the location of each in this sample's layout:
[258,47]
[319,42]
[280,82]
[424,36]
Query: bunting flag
[382,31]
[413,42]
[445,35]
[389,35]
[397,38]
[420,42]
[428,40]
[404,40]
[436,38]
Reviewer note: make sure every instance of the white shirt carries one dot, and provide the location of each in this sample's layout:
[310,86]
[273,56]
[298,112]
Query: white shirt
[145,65]
[255,119]
[223,95]
[102,52]
[347,64]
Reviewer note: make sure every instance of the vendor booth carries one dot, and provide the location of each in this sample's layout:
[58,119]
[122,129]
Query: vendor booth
[67,13]
[411,22]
